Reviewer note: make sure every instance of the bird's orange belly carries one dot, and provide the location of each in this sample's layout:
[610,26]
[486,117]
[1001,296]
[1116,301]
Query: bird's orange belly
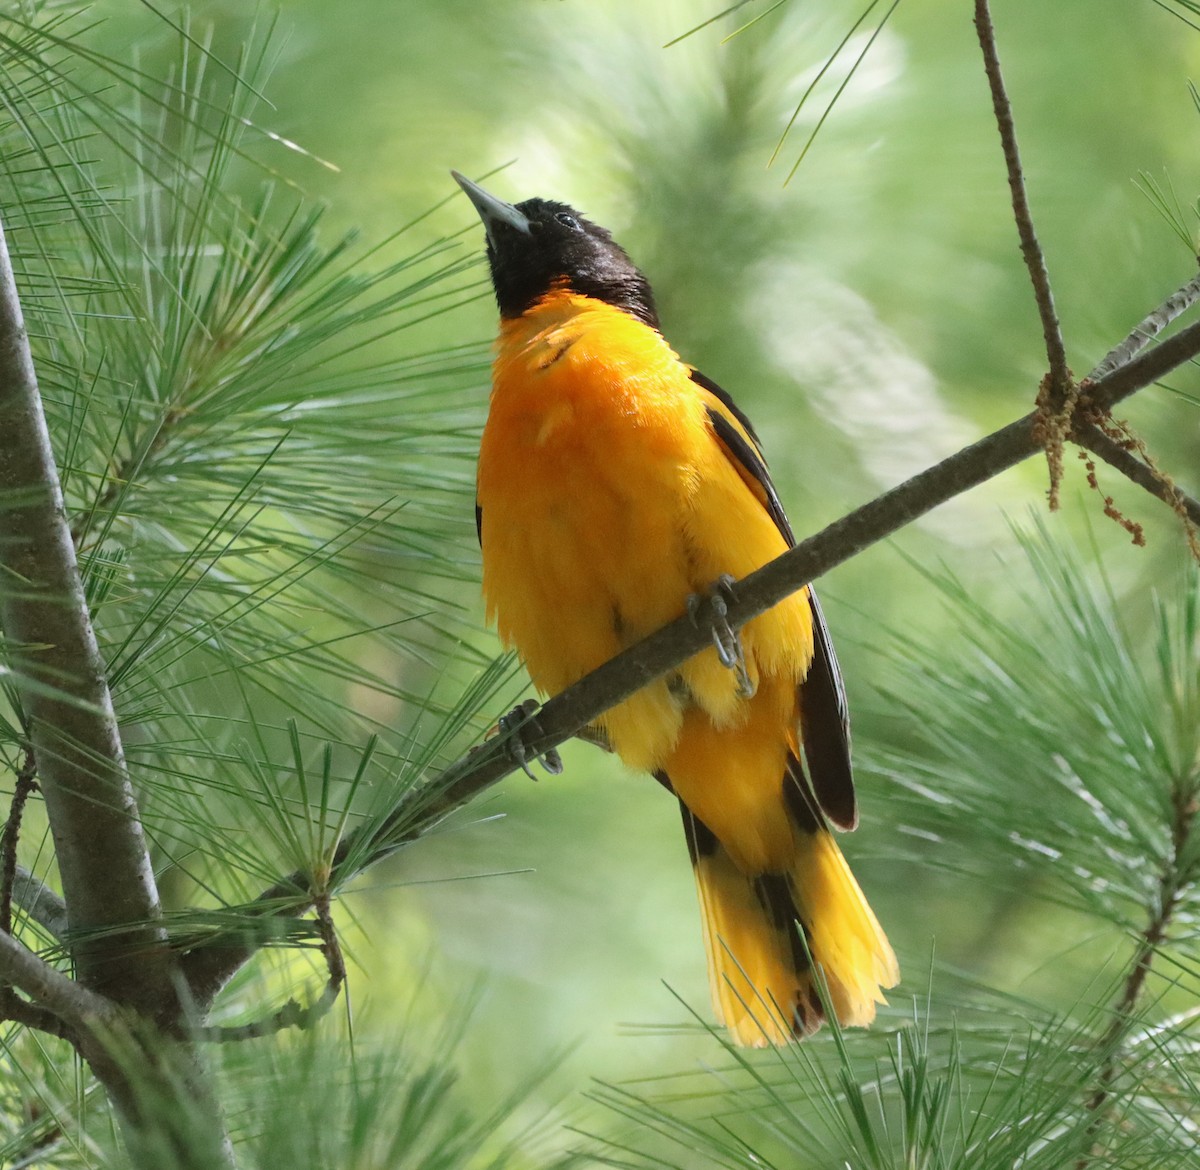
[576,565]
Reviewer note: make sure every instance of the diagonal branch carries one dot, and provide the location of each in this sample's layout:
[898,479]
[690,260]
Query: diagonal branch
[1149,328]
[32,1015]
[1089,435]
[1095,437]
[50,989]
[210,966]
[1031,250]
[59,678]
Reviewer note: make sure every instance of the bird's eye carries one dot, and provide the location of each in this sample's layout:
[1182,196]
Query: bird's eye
[568,221]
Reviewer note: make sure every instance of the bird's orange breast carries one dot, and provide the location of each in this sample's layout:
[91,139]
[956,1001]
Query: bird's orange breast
[606,500]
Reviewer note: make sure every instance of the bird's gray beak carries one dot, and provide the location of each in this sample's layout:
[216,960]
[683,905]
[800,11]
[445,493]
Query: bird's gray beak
[492,211]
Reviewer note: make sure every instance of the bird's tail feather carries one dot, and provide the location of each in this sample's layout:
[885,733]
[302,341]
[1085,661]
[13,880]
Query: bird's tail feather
[759,965]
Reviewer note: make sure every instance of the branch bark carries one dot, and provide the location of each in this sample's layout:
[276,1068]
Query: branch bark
[1177,875]
[71,1002]
[1134,469]
[159,1085]
[59,675]
[40,902]
[22,790]
[1149,328]
[115,933]
[209,967]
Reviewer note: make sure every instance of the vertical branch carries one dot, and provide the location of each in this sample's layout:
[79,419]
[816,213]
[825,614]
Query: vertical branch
[1031,250]
[59,676]
[159,1085]
[8,842]
[1175,877]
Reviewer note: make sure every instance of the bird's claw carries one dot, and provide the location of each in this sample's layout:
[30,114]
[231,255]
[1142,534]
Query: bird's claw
[515,727]
[726,640]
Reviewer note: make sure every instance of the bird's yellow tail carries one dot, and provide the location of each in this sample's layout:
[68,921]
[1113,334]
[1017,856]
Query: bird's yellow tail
[760,971]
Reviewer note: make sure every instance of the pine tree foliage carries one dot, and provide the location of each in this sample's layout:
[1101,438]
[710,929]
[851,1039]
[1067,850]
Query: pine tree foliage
[1092,795]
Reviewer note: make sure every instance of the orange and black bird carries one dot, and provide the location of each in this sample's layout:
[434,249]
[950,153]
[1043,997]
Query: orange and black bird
[616,486]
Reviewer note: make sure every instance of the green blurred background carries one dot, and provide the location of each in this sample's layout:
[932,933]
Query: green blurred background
[871,315]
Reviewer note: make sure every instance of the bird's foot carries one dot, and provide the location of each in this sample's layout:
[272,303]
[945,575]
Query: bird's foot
[712,608]
[517,727]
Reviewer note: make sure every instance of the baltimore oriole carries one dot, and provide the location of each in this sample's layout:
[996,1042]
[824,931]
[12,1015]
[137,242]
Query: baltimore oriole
[615,484]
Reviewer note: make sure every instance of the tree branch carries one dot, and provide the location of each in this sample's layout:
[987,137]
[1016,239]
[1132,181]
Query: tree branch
[1031,250]
[1103,393]
[50,989]
[1176,876]
[22,789]
[1129,465]
[40,902]
[33,1015]
[159,1086]
[1088,434]
[1154,323]
[212,964]
[293,1014]
[59,676]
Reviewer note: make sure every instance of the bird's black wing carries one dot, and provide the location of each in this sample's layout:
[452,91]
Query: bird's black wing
[824,717]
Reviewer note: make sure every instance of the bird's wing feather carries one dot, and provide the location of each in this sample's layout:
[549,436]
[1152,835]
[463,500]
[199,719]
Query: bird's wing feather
[824,718]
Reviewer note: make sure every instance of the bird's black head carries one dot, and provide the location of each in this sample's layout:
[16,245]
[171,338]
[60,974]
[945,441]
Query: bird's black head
[538,245]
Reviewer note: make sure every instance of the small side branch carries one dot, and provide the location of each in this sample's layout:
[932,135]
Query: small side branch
[50,989]
[32,1015]
[22,790]
[1177,303]
[294,1014]
[40,902]
[1114,442]
[1175,878]
[1137,470]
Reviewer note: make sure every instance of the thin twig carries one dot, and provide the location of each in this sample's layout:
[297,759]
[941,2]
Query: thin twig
[209,966]
[22,789]
[1178,302]
[1173,881]
[1031,250]
[1114,442]
[293,1014]
[1139,471]
[1057,395]
[331,948]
